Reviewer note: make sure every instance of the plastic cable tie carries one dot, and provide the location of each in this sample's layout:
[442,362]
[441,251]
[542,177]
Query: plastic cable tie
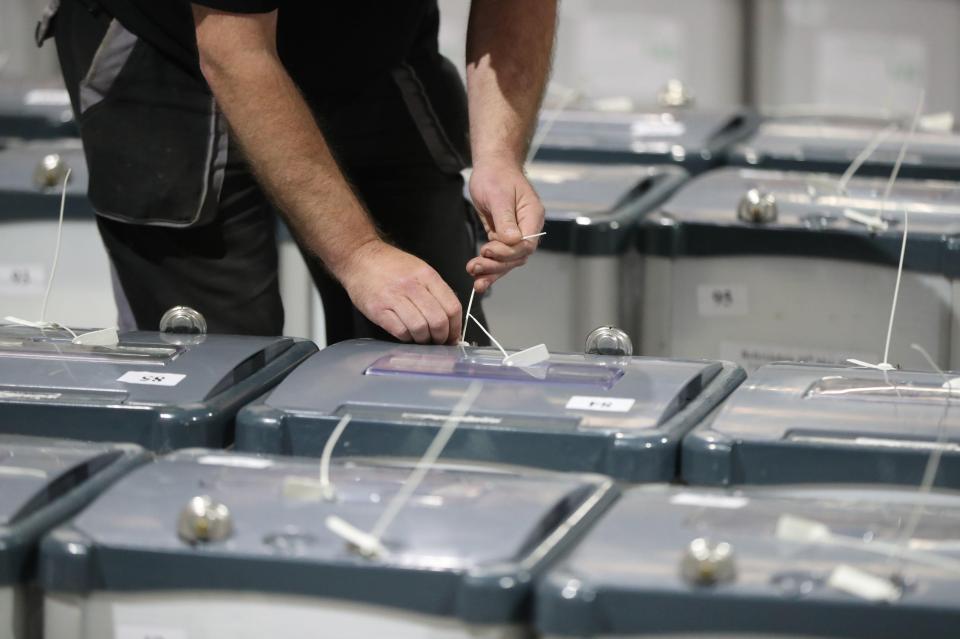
[367,544]
[28,323]
[533,235]
[303,488]
[872,222]
[860,583]
[102,337]
[528,357]
[882,366]
[791,528]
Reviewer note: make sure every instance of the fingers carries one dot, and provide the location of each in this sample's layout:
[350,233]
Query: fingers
[450,304]
[414,321]
[505,253]
[479,266]
[505,224]
[391,322]
[483,284]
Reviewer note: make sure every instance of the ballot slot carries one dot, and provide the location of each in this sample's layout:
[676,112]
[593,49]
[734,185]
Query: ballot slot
[486,364]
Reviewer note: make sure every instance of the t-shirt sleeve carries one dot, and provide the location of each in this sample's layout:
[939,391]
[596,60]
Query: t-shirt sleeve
[240,6]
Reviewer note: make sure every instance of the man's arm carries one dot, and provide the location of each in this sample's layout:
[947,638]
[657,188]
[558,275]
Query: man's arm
[288,153]
[509,48]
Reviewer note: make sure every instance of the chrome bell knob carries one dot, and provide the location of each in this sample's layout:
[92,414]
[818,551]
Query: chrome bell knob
[757,207]
[203,520]
[183,319]
[706,563]
[608,340]
[50,172]
[675,94]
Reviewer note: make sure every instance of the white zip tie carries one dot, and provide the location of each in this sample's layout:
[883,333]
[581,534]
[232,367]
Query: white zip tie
[872,222]
[530,237]
[885,364]
[326,486]
[369,544]
[864,155]
[466,316]
[56,251]
[906,215]
[487,333]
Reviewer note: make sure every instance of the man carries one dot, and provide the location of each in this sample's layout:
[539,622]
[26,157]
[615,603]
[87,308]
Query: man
[354,127]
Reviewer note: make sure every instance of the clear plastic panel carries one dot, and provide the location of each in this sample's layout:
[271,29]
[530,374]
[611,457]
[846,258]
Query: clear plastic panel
[484,364]
[58,345]
[853,388]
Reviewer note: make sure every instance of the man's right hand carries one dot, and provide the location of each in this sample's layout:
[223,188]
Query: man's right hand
[402,294]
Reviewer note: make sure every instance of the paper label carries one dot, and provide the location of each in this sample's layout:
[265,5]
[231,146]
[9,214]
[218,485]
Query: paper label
[22,279]
[149,632]
[47,97]
[650,128]
[722,300]
[753,356]
[621,51]
[862,69]
[602,404]
[702,500]
[149,378]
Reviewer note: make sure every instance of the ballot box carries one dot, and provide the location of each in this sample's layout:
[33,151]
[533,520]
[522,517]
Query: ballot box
[159,390]
[619,416]
[221,545]
[574,282]
[831,143]
[758,266]
[42,483]
[813,423]
[790,562]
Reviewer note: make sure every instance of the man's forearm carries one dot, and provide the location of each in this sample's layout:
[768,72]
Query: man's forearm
[509,48]
[287,151]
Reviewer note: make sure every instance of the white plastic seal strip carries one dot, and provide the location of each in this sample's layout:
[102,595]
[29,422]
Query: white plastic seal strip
[885,365]
[370,544]
[56,250]
[865,155]
[308,488]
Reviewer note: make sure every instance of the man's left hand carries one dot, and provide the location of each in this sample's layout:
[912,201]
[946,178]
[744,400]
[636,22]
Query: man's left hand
[510,209]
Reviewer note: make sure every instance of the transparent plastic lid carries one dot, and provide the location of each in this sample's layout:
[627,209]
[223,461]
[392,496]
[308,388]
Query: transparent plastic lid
[855,388]
[486,364]
[58,344]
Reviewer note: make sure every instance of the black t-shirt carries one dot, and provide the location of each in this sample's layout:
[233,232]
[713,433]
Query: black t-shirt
[343,56]
[328,47]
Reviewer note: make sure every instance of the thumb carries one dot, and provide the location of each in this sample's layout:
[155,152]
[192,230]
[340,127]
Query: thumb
[503,210]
